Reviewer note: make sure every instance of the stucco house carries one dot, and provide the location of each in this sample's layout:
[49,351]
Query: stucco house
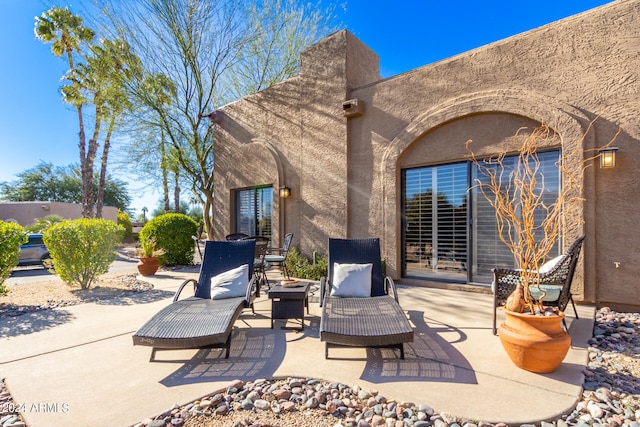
[364,156]
[26,213]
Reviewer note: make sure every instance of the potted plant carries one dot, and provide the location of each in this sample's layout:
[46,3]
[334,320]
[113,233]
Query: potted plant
[148,262]
[530,220]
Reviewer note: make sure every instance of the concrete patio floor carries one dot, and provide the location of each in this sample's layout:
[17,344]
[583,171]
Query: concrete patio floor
[76,366]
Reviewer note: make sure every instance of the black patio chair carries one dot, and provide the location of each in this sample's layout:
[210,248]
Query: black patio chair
[201,321]
[236,236]
[259,263]
[560,275]
[364,312]
[278,256]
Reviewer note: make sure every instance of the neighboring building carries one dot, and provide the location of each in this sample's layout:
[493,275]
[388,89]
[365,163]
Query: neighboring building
[365,156]
[25,213]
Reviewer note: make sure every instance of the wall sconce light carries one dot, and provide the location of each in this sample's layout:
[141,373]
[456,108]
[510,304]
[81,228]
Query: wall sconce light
[608,157]
[284,192]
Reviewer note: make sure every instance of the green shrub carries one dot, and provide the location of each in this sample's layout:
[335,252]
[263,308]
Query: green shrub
[82,249]
[301,267]
[125,222]
[172,234]
[11,237]
[42,224]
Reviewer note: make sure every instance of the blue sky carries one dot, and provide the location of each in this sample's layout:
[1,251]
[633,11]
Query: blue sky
[36,126]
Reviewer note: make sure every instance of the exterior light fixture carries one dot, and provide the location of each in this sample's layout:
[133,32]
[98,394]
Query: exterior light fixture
[284,192]
[608,157]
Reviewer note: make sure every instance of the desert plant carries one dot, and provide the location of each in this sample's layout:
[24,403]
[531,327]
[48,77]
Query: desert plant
[172,234]
[149,248]
[82,249]
[530,224]
[11,237]
[301,267]
[42,224]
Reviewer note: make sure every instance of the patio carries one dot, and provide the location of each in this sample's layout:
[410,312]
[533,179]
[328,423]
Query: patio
[82,359]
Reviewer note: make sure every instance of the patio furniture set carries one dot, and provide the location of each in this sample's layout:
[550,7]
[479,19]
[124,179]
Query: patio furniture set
[359,306]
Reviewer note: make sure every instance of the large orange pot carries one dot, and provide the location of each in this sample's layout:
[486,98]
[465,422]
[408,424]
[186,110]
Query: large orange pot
[148,266]
[534,343]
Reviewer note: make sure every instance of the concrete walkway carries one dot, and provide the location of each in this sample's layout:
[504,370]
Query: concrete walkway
[76,366]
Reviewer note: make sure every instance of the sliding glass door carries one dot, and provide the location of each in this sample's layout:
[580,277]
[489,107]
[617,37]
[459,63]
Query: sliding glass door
[488,251]
[435,221]
[447,238]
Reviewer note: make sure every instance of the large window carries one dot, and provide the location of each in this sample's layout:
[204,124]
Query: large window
[447,238]
[254,208]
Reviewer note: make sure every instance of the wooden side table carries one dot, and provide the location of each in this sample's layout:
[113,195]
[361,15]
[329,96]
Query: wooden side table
[289,303]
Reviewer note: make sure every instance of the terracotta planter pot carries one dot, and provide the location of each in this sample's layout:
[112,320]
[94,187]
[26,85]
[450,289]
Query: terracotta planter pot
[535,343]
[148,266]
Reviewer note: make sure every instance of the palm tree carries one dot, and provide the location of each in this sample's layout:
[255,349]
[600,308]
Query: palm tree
[66,33]
[113,63]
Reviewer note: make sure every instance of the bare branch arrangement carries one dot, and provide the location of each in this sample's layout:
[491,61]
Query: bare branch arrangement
[528,223]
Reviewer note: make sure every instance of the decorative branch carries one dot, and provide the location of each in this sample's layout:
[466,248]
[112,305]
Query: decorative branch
[516,193]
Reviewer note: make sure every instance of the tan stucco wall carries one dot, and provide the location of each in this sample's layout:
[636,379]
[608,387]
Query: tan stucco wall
[294,134]
[345,172]
[25,213]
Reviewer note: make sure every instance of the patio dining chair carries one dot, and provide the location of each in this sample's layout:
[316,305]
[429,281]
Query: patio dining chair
[259,263]
[556,277]
[278,256]
[236,236]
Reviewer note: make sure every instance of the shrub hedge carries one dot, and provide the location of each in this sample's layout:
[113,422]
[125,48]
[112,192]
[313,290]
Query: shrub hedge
[11,237]
[301,267]
[171,233]
[125,222]
[82,249]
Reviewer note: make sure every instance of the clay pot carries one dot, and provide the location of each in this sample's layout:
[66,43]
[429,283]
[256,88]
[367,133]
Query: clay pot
[534,343]
[148,266]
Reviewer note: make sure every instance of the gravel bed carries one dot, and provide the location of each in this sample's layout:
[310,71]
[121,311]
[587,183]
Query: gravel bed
[23,299]
[611,395]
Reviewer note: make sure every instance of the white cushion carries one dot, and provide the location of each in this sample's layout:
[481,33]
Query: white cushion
[351,280]
[549,265]
[230,284]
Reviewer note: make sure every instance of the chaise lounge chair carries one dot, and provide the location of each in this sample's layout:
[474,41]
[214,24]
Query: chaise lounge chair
[224,288]
[555,279]
[359,307]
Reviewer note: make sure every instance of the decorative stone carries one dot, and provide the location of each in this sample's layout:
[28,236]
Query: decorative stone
[281,394]
[235,385]
[288,406]
[363,395]
[247,404]
[312,403]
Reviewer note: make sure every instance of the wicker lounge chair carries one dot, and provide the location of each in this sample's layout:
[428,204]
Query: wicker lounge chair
[200,321]
[556,280]
[372,320]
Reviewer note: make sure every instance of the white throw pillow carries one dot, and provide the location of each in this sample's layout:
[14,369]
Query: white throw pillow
[230,284]
[351,280]
[549,265]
